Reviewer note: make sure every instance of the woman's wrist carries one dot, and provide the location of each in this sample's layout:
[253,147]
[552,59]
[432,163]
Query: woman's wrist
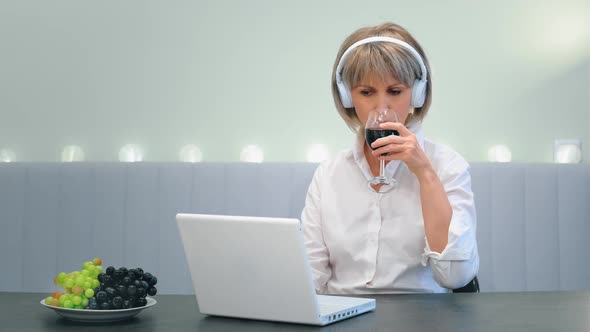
[426,174]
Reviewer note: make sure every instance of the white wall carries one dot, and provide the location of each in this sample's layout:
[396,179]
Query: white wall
[222,74]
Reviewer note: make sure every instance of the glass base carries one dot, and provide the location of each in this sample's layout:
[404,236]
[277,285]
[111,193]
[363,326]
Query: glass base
[387,183]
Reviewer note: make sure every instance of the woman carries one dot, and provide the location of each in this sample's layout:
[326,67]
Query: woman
[417,237]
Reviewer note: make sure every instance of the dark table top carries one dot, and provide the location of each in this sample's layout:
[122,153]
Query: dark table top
[518,311]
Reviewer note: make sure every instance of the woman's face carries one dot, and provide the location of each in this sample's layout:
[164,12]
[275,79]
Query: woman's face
[375,95]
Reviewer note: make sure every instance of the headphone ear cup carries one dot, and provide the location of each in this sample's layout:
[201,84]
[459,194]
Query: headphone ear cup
[418,93]
[345,96]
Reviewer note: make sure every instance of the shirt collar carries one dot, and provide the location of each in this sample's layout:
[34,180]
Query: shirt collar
[392,166]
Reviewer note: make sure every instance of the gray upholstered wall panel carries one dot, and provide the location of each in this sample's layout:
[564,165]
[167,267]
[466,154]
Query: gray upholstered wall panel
[533,219]
[508,227]
[42,218]
[541,229]
[108,214]
[12,207]
[174,195]
[573,227]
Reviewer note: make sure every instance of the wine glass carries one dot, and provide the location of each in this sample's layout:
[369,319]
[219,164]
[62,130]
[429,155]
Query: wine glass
[373,132]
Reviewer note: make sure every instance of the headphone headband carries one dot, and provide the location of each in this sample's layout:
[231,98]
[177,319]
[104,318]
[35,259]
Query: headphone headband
[419,86]
[375,39]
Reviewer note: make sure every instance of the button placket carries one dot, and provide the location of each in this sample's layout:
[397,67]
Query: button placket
[373,238]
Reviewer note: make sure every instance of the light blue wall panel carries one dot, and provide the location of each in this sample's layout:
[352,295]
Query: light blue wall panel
[541,227]
[40,227]
[302,175]
[110,185]
[174,196]
[141,245]
[275,181]
[574,230]
[12,210]
[481,183]
[242,189]
[508,228]
[75,224]
[208,189]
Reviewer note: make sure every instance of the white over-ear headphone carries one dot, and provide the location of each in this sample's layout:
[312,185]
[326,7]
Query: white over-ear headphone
[418,88]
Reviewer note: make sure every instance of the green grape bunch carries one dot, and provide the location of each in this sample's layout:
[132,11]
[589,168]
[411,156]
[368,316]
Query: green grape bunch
[78,286]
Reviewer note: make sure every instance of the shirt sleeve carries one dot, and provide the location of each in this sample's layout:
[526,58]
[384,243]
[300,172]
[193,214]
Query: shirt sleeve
[458,263]
[317,251]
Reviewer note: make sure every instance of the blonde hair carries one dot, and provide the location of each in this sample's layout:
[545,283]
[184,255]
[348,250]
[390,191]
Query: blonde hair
[384,60]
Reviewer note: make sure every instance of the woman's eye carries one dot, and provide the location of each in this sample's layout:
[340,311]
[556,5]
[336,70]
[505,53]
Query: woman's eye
[365,92]
[395,92]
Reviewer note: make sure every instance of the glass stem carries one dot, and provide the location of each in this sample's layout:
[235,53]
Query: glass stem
[382,168]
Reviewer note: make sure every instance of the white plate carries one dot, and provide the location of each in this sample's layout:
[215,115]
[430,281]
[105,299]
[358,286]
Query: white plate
[94,316]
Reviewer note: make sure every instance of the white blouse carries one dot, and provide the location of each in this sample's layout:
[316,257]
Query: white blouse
[361,241]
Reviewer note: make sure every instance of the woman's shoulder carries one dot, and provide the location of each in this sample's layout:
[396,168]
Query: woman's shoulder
[444,158]
[337,160]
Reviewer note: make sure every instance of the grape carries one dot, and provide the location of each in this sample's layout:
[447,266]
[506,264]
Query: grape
[122,290]
[138,273]
[117,275]
[131,290]
[101,297]
[68,304]
[77,290]
[142,302]
[152,291]
[126,280]
[107,280]
[117,302]
[111,292]
[110,270]
[89,293]
[97,261]
[144,284]
[69,283]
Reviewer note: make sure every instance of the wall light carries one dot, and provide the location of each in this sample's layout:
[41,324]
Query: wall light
[7,156]
[567,151]
[252,154]
[191,154]
[72,153]
[499,153]
[317,153]
[131,153]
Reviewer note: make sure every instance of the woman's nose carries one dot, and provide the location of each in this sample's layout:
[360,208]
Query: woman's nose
[382,103]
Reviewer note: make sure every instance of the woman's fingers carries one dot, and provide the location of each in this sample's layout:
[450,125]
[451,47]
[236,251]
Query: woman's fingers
[391,139]
[389,149]
[401,129]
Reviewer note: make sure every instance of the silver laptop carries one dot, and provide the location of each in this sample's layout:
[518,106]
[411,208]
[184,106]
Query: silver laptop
[257,268]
